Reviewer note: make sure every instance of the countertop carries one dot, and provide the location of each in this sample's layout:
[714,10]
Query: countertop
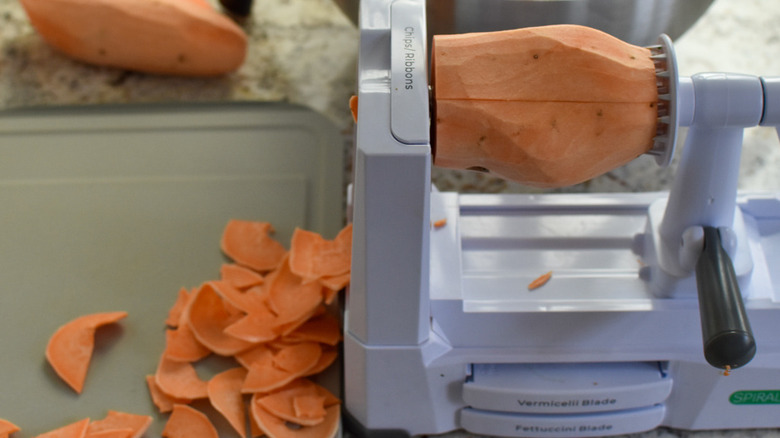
[305,52]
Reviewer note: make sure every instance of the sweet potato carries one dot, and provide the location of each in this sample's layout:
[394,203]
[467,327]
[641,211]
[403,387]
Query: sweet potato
[239,276]
[116,420]
[313,257]
[275,427]
[161,400]
[208,314]
[249,243]
[187,422]
[182,346]
[76,429]
[224,390]
[7,428]
[172,37]
[69,350]
[179,380]
[111,433]
[540,281]
[545,106]
[302,402]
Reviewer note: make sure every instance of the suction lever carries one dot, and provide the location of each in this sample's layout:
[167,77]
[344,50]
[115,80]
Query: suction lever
[728,339]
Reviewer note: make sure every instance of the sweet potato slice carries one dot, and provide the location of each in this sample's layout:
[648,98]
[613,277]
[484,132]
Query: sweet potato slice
[311,406]
[187,422]
[269,372]
[249,244]
[275,427]
[174,313]
[258,352]
[336,282]
[182,346]
[7,428]
[324,328]
[121,420]
[540,281]
[353,107]
[263,376]
[298,358]
[161,400]
[239,276]
[77,429]
[179,380]
[208,314]
[111,433]
[257,326]
[69,350]
[224,390]
[289,298]
[328,356]
[245,300]
[313,257]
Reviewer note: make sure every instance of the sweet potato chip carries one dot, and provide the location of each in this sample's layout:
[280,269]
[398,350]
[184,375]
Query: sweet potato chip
[263,376]
[111,433]
[239,276]
[182,346]
[275,427]
[187,422]
[69,350]
[328,356]
[163,401]
[313,257]
[224,391]
[298,358]
[72,430]
[208,315]
[179,380]
[289,298]
[249,244]
[255,327]
[310,412]
[7,428]
[324,328]
[121,420]
[174,313]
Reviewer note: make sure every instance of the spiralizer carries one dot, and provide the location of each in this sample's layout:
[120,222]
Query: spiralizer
[663,308]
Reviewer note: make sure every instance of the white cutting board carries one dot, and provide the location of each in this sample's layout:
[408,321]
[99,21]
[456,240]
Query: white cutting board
[116,208]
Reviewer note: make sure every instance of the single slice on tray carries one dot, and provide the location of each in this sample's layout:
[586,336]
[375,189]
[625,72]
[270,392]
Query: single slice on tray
[69,350]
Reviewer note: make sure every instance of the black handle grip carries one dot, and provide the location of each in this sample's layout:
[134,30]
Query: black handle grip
[728,339]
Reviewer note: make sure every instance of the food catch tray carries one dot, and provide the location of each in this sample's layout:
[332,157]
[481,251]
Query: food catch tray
[118,207]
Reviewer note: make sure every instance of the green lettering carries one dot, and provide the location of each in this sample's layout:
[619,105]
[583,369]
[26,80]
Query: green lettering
[755,397]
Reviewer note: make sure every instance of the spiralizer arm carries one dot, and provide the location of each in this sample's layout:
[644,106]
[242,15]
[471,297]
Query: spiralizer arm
[699,231]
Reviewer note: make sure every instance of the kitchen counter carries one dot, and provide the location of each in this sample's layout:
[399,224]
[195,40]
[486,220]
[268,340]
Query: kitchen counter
[304,52]
[300,51]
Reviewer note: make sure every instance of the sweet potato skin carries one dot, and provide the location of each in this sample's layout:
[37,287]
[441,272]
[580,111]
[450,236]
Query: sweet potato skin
[548,107]
[167,37]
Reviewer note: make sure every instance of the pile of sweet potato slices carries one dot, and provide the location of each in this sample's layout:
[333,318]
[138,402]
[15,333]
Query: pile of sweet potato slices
[270,310]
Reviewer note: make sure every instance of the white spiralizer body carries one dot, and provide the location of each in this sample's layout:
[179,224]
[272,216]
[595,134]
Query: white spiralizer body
[441,331]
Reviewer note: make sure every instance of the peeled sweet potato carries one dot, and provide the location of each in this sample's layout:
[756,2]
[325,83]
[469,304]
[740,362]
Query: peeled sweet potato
[173,37]
[546,106]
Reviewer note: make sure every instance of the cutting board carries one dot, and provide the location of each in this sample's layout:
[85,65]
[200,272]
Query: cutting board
[109,208]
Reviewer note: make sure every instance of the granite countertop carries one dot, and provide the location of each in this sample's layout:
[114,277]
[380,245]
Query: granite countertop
[300,51]
[305,52]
